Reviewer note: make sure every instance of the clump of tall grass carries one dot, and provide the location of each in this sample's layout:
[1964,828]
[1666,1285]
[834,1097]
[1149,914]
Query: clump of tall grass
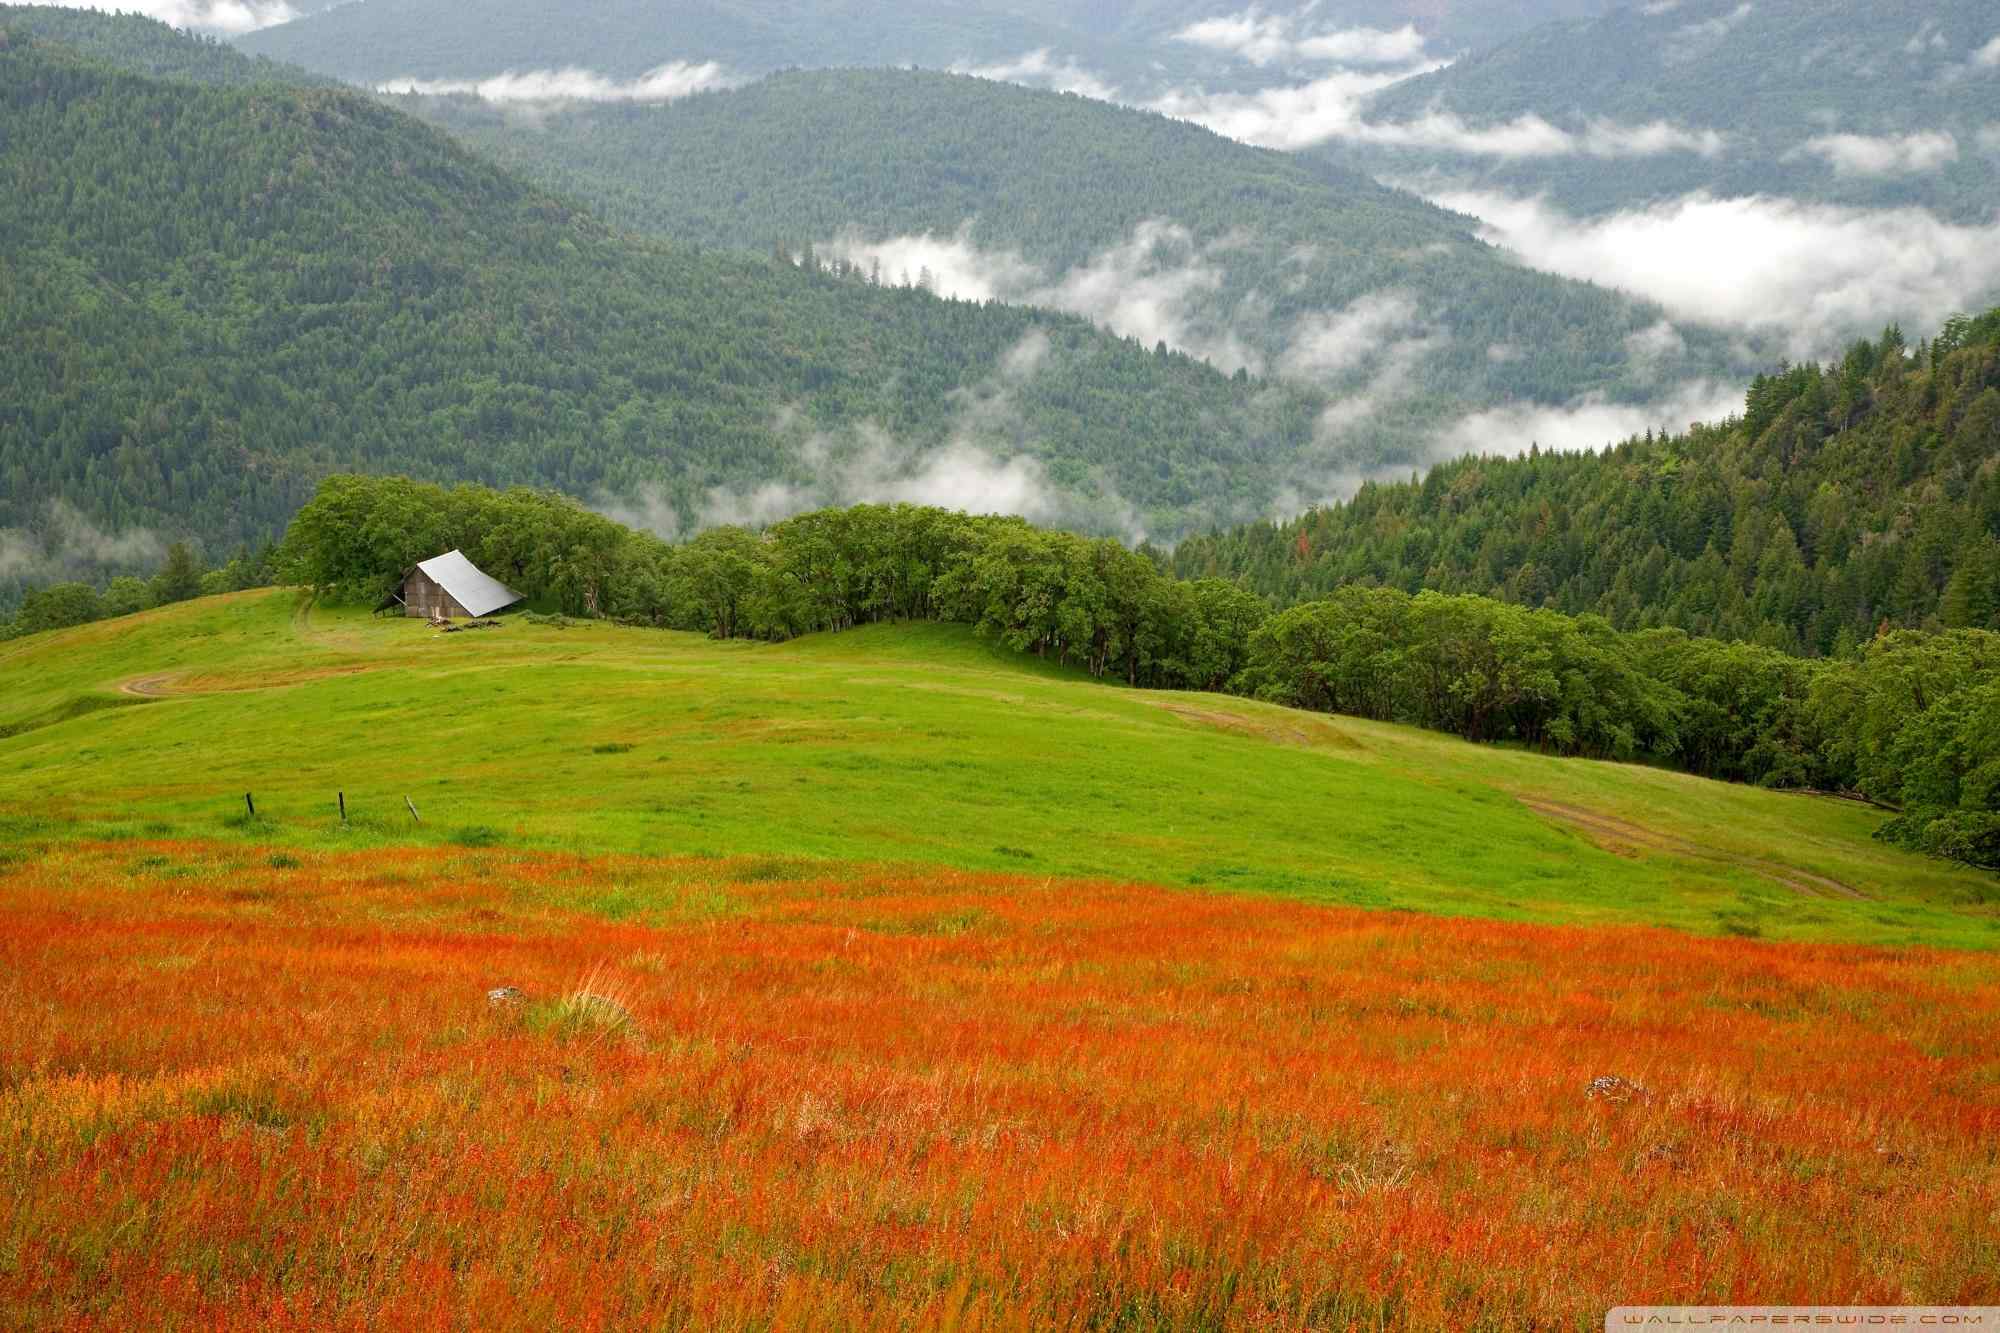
[595,1010]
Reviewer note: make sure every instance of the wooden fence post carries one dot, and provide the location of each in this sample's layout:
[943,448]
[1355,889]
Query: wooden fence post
[413,809]
[341,796]
[251,804]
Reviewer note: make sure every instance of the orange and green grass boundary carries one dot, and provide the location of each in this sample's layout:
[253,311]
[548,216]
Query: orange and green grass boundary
[257,1087]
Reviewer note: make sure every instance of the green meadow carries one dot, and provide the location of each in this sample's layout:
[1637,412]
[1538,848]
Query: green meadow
[906,745]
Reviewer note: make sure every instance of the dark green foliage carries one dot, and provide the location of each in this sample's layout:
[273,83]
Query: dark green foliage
[1918,726]
[1845,498]
[58,607]
[179,578]
[146,46]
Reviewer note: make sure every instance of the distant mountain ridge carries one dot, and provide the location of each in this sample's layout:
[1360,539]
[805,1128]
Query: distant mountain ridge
[1841,101]
[1127,43]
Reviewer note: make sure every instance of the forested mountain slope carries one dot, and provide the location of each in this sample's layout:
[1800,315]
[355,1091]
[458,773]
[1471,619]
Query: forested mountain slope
[1849,101]
[1127,44]
[1845,497]
[622,39]
[212,297]
[148,46]
[1149,225]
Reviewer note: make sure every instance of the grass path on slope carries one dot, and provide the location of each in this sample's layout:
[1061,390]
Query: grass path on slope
[913,744]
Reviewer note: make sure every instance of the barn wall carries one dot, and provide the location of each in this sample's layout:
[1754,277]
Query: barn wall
[422,597]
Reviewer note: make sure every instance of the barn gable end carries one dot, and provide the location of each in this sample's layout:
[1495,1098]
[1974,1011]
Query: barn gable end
[450,587]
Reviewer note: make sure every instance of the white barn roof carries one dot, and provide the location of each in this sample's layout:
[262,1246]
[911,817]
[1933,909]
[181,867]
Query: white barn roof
[479,593]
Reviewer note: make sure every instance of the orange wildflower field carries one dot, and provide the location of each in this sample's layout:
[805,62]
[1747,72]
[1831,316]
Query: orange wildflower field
[249,1087]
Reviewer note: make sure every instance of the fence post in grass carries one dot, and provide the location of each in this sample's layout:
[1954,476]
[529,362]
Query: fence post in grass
[252,805]
[341,796]
[413,809]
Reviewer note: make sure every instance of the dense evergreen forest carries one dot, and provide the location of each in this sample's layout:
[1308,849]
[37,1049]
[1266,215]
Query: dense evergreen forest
[1911,719]
[147,46]
[1846,497]
[213,297]
[1256,254]
[1250,258]
[1776,76]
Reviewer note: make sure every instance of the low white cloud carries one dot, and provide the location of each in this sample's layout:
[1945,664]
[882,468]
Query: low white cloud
[1530,136]
[1394,365]
[1300,116]
[1884,155]
[1264,39]
[1334,342]
[664,83]
[1988,55]
[1813,276]
[1694,39]
[985,465]
[1145,287]
[1652,348]
[1332,108]
[19,554]
[948,265]
[1989,138]
[223,16]
[1927,38]
[1041,69]
[865,466]
[868,466]
[1586,423]
[65,545]
[963,476]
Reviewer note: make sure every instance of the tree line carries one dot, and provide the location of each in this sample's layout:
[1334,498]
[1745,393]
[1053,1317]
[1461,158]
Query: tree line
[1909,720]
[181,576]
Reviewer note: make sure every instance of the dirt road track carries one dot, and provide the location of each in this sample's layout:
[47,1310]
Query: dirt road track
[148,687]
[1625,839]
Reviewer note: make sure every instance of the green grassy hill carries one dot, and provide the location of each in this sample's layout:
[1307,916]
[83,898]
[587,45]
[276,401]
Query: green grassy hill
[1774,77]
[914,745]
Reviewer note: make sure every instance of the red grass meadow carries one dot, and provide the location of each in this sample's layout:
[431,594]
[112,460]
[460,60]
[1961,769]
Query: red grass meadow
[242,1088]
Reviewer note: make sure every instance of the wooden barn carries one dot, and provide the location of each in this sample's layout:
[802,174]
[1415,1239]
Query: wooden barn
[449,587]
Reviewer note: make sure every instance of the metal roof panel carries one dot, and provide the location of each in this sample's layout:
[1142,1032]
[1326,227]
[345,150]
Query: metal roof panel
[472,588]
